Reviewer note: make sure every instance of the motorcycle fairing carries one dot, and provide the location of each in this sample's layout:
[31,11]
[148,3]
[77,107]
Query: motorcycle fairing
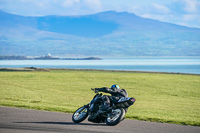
[124,102]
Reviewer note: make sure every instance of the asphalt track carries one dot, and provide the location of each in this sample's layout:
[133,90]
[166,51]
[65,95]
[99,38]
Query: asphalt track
[15,120]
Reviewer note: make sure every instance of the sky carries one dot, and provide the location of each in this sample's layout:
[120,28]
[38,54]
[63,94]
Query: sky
[181,12]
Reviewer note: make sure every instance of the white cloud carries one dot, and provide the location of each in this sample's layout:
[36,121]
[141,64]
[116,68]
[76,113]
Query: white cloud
[68,3]
[190,17]
[192,6]
[94,4]
[160,8]
[173,11]
[164,18]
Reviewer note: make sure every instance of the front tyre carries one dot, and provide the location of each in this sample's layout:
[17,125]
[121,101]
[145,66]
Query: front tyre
[115,117]
[80,115]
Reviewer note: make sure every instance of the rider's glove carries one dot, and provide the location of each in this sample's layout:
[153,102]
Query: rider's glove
[96,90]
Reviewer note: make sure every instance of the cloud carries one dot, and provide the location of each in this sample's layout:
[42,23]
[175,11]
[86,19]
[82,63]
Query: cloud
[68,3]
[186,12]
[192,6]
[189,17]
[163,18]
[93,4]
[160,8]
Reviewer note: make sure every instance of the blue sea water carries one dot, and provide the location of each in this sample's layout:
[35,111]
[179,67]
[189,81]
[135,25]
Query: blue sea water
[155,64]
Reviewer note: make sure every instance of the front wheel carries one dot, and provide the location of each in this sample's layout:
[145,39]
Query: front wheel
[115,117]
[80,115]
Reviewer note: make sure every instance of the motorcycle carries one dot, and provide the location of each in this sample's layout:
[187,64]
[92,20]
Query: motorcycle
[111,118]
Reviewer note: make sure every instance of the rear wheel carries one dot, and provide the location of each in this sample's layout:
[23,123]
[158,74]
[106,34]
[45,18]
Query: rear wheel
[80,115]
[115,117]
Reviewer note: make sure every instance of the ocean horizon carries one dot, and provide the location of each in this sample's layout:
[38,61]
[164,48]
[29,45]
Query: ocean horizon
[189,65]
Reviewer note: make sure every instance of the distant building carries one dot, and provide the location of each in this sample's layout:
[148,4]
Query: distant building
[49,54]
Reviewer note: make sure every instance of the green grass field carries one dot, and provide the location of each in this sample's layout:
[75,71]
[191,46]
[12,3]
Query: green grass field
[166,98]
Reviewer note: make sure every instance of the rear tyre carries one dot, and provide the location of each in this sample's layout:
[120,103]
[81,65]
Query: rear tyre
[80,115]
[115,117]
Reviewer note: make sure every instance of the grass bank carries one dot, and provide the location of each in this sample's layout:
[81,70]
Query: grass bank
[168,98]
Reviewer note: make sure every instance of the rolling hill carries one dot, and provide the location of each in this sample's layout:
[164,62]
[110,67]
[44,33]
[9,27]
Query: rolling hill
[105,34]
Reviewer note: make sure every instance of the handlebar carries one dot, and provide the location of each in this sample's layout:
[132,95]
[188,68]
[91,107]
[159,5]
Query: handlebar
[93,89]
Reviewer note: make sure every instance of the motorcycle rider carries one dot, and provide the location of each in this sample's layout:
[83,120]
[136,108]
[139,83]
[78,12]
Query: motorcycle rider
[116,94]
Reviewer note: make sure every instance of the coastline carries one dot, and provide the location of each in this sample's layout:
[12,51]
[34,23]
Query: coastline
[100,70]
[47,57]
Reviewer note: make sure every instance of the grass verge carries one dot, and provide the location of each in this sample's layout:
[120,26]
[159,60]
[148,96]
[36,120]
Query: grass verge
[167,98]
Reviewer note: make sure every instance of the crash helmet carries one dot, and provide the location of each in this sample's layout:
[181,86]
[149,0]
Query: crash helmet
[115,87]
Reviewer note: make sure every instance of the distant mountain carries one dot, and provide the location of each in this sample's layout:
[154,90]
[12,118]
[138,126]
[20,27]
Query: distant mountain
[110,34]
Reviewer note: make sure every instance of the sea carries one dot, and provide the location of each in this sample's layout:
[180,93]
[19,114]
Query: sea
[189,65]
